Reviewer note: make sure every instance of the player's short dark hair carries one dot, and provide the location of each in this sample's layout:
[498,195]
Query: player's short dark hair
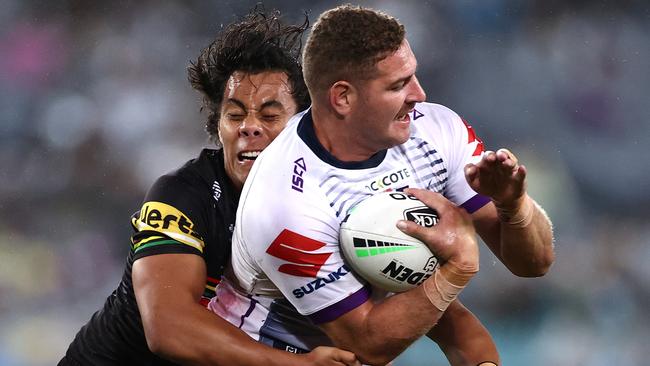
[259,42]
[346,43]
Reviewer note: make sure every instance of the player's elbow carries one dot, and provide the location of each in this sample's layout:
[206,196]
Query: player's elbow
[155,339]
[375,358]
[544,265]
[380,354]
[535,268]
[157,331]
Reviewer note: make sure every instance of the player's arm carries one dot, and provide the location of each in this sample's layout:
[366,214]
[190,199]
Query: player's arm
[177,327]
[379,332]
[513,225]
[463,339]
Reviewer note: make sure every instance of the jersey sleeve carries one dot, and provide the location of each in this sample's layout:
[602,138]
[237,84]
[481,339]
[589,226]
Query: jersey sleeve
[171,220]
[460,146]
[293,240]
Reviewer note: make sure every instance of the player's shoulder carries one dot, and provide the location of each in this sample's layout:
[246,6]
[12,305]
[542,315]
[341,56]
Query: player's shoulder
[284,180]
[178,212]
[196,180]
[278,162]
[435,112]
[435,121]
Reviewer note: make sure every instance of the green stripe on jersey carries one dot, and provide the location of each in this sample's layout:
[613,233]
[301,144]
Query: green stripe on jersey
[156,243]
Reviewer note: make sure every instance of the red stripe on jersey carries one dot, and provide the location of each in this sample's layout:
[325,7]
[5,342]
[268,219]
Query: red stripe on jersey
[294,248]
[214,280]
[471,137]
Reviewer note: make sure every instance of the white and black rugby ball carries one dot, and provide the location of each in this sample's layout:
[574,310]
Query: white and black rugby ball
[381,253]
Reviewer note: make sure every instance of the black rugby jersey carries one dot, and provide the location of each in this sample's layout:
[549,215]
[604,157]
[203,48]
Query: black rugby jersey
[191,210]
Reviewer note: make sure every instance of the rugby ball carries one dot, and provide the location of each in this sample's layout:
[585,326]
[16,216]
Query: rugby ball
[378,251]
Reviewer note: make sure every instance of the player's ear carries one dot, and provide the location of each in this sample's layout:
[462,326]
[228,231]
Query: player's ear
[219,134]
[342,96]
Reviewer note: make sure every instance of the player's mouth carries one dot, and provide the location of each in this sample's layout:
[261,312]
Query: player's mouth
[405,117]
[248,156]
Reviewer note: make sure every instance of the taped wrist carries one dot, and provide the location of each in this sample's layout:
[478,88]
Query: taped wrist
[519,217]
[447,282]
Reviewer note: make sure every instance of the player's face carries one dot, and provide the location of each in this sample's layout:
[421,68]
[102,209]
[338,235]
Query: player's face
[255,108]
[383,115]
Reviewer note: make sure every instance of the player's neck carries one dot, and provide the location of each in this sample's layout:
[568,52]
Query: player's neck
[334,135]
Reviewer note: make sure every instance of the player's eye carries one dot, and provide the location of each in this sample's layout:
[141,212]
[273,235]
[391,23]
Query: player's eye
[270,117]
[398,86]
[236,117]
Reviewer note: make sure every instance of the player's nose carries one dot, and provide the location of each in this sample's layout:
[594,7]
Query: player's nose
[250,126]
[416,93]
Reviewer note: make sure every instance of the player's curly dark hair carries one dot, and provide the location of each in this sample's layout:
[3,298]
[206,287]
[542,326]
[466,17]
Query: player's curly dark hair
[346,43]
[259,42]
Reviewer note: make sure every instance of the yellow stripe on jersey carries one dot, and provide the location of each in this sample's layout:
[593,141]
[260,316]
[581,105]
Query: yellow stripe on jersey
[168,220]
[145,240]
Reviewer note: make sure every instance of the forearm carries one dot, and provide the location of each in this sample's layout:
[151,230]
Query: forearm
[462,337]
[377,333]
[374,340]
[200,337]
[526,237]
[177,327]
[388,328]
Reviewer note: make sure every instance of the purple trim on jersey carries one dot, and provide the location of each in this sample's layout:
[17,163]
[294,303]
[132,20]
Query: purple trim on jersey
[249,311]
[473,204]
[335,310]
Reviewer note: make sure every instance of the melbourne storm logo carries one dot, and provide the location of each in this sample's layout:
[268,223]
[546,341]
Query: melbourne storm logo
[423,216]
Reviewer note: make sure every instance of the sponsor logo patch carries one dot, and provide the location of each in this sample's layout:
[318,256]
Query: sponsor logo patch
[297,249]
[299,168]
[168,220]
[216,191]
[391,181]
[320,282]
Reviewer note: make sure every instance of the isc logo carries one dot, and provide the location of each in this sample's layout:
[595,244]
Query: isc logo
[299,168]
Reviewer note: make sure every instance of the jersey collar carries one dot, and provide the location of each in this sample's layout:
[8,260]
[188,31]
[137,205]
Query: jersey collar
[308,136]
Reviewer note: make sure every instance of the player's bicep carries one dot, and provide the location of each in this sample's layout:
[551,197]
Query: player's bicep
[343,330]
[166,281]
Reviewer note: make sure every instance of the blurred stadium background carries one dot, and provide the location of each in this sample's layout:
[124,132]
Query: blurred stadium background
[94,105]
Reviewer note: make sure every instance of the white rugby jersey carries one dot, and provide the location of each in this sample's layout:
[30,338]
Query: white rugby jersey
[285,243]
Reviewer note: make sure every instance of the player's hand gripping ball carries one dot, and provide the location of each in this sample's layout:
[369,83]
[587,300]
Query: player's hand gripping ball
[378,251]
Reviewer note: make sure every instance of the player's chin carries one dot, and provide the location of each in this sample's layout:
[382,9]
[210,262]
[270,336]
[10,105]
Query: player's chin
[244,166]
[401,133]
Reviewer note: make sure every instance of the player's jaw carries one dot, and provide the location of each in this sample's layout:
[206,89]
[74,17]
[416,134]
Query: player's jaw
[401,124]
[247,157]
[403,117]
